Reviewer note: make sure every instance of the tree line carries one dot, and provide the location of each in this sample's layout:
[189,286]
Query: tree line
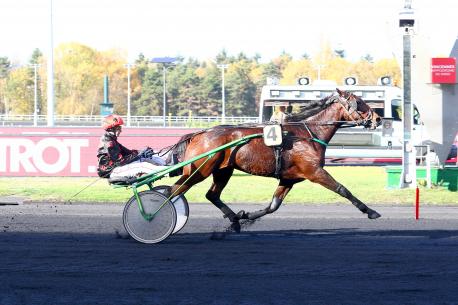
[193,86]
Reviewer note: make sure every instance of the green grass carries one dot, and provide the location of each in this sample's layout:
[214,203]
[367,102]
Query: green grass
[366,183]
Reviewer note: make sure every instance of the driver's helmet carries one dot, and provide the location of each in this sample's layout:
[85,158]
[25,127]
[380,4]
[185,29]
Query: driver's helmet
[112,121]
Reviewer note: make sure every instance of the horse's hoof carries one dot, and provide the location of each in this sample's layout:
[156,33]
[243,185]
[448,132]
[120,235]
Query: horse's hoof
[235,226]
[373,214]
[242,215]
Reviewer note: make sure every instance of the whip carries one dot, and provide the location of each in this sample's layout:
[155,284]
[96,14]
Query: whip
[90,184]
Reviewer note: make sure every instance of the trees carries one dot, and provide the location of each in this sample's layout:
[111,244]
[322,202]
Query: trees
[388,66]
[149,101]
[241,89]
[5,67]
[36,62]
[192,85]
[76,78]
[79,77]
[297,69]
[19,91]
[18,85]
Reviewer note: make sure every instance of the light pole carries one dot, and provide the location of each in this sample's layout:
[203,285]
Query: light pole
[166,62]
[319,67]
[223,96]
[128,65]
[409,175]
[35,94]
[50,110]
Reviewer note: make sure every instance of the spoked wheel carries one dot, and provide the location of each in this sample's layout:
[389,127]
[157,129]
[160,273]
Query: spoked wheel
[154,230]
[181,206]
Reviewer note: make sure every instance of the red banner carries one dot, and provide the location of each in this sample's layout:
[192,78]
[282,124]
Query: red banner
[443,70]
[55,151]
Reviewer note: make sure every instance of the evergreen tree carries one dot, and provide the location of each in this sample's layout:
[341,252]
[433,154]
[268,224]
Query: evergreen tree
[150,100]
[5,67]
[241,90]
[340,53]
[368,57]
[37,59]
[222,57]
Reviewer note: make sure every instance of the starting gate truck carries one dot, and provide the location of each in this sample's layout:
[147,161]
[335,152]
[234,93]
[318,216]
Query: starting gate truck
[355,142]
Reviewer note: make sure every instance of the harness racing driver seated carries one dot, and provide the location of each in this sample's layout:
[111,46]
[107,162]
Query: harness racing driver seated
[117,161]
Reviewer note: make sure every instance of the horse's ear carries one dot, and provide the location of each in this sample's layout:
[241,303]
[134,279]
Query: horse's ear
[341,93]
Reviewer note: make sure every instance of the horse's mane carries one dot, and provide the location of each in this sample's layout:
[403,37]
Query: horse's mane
[310,109]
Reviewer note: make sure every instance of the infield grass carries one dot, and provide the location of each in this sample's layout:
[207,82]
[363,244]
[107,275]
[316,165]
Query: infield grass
[366,183]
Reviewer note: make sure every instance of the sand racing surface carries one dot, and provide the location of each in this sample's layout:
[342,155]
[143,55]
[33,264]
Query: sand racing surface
[320,254]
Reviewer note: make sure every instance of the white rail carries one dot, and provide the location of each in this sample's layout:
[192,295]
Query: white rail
[95,120]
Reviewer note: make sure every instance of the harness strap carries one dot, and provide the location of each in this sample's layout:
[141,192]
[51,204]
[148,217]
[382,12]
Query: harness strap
[320,142]
[278,155]
[313,138]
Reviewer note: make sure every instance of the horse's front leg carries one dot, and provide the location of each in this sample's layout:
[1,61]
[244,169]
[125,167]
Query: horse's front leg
[321,176]
[280,193]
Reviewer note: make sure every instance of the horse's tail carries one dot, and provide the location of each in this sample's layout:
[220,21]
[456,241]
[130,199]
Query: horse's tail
[177,150]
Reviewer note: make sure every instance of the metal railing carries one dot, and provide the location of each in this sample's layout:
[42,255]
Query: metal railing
[135,121]
[425,158]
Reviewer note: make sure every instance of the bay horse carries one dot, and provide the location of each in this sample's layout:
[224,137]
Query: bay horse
[302,153]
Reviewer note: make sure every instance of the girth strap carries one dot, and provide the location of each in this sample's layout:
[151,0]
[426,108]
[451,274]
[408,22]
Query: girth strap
[277,153]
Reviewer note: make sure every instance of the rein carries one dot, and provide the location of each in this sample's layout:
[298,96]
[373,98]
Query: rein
[326,123]
[313,138]
[350,107]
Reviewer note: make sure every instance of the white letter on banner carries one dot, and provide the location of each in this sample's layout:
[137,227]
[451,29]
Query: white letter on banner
[62,159]
[21,158]
[75,153]
[3,144]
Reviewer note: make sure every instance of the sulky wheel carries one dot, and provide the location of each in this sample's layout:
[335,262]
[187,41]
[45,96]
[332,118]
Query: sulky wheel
[154,230]
[181,206]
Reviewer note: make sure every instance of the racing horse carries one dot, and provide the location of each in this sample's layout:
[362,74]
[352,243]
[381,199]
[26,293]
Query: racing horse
[302,153]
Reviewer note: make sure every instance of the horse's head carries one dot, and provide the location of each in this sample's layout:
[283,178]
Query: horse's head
[356,110]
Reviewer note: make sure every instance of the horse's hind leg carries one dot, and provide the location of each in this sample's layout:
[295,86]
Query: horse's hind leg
[187,180]
[321,176]
[220,179]
[280,193]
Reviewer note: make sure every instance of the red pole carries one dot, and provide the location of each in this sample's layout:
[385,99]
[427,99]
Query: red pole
[417,203]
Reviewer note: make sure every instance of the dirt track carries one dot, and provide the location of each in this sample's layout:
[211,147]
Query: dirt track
[79,254]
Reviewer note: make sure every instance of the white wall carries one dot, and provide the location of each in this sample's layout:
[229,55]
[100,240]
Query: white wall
[437,103]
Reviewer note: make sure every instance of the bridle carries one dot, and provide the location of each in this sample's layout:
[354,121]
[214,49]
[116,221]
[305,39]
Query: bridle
[350,106]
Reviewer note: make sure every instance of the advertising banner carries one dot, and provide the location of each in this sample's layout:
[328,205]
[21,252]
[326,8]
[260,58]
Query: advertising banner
[443,70]
[55,151]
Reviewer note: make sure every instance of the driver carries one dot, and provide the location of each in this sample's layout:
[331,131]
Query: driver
[115,160]
[279,116]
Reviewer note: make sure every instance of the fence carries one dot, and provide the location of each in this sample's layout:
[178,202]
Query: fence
[135,121]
